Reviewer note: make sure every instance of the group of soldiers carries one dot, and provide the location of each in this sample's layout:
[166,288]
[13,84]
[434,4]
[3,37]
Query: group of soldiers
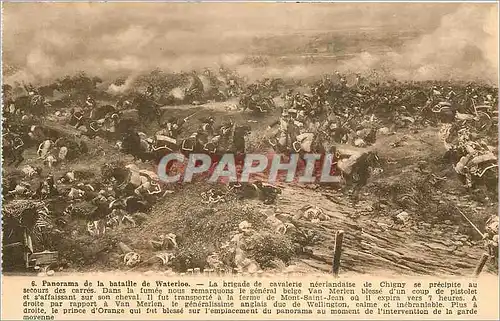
[207,133]
[346,113]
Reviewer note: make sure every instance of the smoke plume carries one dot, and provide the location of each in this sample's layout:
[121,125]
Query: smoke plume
[42,41]
[463,47]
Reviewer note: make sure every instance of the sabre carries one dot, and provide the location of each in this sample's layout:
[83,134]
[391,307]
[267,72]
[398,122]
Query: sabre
[472,224]
[185,119]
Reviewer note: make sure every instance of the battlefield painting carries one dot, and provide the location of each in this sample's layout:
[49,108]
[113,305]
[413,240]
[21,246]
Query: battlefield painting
[247,138]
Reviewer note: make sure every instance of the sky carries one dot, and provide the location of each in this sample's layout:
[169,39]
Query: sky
[47,40]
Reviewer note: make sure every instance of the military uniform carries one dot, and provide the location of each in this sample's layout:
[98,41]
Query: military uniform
[207,125]
[90,102]
[283,133]
[168,135]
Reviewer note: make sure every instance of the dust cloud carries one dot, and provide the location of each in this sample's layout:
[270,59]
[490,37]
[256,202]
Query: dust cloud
[43,41]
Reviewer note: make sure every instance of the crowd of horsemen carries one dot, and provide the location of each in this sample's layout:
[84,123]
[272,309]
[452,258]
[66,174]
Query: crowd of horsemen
[335,110]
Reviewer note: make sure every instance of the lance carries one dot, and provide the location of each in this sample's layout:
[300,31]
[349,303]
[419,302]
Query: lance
[472,224]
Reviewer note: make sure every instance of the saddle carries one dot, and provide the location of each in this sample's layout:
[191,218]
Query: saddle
[210,147]
[93,124]
[78,115]
[189,144]
[161,142]
[296,146]
[17,142]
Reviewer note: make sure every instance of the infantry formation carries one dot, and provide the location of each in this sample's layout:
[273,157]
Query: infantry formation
[83,152]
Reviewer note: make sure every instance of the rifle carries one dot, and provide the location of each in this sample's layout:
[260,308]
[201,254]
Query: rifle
[191,115]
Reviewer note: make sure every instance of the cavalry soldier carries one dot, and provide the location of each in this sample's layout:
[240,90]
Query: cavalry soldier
[112,121]
[167,136]
[297,102]
[207,125]
[435,93]
[90,102]
[233,86]
[77,115]
[174,126]
[253,94]
[225,128]
[17,141]
[150,91]
[451,94]
[8,101]
[489,100]
[342,80]
[30,89]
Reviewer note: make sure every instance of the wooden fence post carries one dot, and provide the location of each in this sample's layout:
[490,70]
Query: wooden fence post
[480,265]
[339,237]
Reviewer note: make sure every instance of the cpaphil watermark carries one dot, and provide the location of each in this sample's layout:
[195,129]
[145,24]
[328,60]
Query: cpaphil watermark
[307,168]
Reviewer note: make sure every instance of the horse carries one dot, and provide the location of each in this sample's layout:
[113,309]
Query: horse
[147,109]
[79,118]
[102,111]
[355,165]
[74,147]
[230,139]
[34,105]
[13,148]
[131,143]
[193,144]
[141,181]
[238,139]
[262,105]
[161,146]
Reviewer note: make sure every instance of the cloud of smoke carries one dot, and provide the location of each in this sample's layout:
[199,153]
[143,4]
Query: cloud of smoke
[114,89]
[463,47]
[117,39]
[178,93]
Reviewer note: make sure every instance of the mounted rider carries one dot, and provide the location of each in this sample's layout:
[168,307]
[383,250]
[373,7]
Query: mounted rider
[167,136]
[13,137]
[90,102]
[451,94]
[8,101]
[36,100]
[150,91]
[297,102]
[77,114]
[436,93]
[225,128]
[207,125]
[288,97]
[174,126]
[30,89]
